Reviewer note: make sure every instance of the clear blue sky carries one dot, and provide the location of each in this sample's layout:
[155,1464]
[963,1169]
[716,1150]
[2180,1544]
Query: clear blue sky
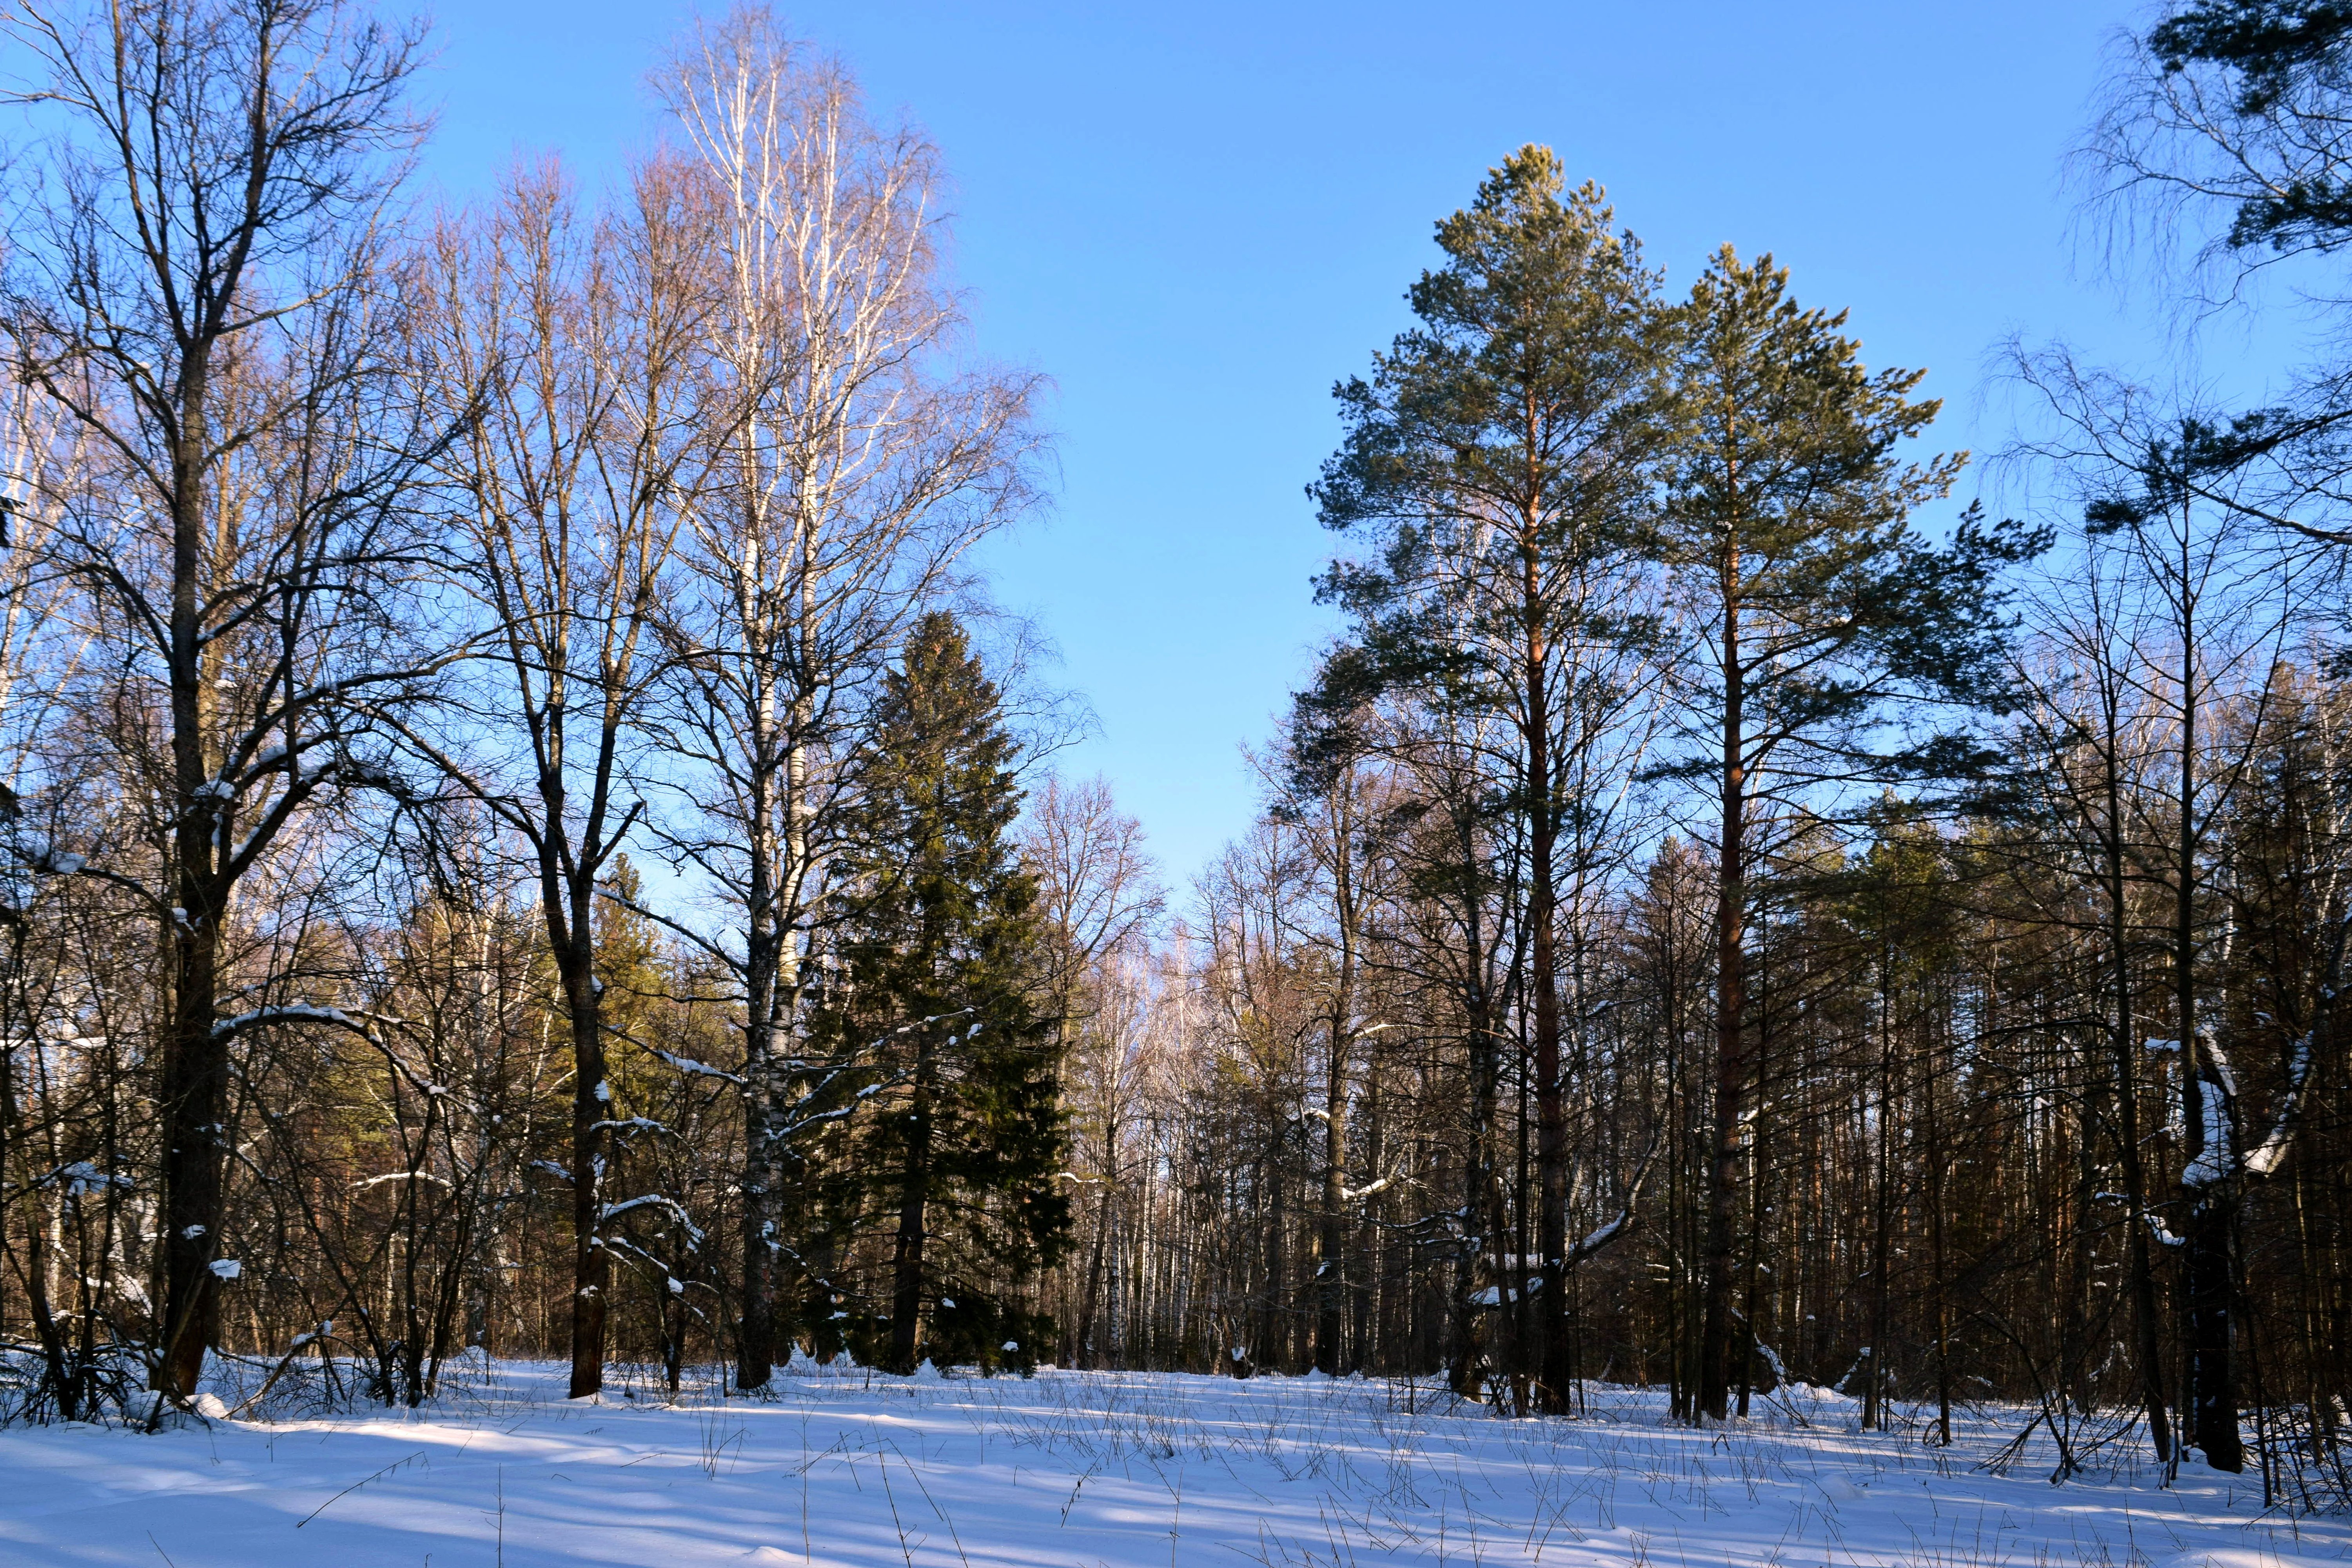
[1195,217]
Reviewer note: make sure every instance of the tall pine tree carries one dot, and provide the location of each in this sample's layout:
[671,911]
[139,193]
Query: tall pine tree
[1498,460]
[941,989]
[1815,612]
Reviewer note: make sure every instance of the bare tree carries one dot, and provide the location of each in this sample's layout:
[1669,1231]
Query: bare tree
[198,284]
[581,344]
[2089,725]
[862,465]
[1099,898]
[2216,599]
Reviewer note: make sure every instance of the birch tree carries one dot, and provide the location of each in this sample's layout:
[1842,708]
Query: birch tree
[865,462]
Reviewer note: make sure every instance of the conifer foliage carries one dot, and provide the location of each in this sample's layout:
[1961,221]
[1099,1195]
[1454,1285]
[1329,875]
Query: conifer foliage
[507,852]
[948,1192]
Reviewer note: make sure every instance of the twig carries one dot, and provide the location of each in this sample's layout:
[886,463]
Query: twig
[356,1486]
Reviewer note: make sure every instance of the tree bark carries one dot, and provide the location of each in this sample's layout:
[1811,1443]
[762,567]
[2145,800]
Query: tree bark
[2147,1339]
[1714,1354]
[1331,1241]
[2206,1186]
[914,1197]
[1552,1340]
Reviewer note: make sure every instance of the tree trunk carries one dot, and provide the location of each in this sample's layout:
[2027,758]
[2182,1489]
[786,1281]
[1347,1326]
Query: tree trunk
[914,1196]
[591,1099]
[755,1330]
[1085,1335]
[1715,1353]
[1551,1343]
[2146,1335]
[193,1113]
[1330,1261]
[2206,1189]
[2208,1286]
[1931,1154]
[193,1103]
[1882,1217]
[1481,1203]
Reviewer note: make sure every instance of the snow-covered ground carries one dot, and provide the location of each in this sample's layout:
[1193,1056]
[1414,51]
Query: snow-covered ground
[1082,1469]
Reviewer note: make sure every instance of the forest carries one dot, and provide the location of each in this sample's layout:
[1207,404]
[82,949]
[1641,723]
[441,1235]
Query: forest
[525,834]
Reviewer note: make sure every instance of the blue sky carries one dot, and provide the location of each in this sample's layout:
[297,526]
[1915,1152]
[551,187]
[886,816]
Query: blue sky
[1195,217]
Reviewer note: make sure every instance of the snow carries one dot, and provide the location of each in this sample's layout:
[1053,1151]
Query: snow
[840,1468]
[2273,1149]
[79,1176]
[402,1176]
[667,1203]
[1602,1235]
[2214,1162]
[293,1013]
[695,1069]
[1495,1295]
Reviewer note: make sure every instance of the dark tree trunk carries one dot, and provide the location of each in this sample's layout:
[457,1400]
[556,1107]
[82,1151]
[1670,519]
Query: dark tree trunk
[2209,1287]
[1482,1216]
[2205,1185]
[2146,1338]
[193,1109]
[1552,1340]
[1331,1241]
[592,1269]
[914,1197]
[1085,1334]
[755,1329]
[192,1112]
[1714,1352]
[1881,1216]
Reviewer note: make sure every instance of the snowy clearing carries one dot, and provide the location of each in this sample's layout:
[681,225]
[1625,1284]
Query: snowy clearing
[1081,1469]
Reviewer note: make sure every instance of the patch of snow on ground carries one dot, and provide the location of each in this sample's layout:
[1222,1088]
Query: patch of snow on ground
[1073,1470]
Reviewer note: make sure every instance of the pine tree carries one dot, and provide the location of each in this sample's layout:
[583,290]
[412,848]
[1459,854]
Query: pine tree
[1813,606]
[943,987]
[1499,456]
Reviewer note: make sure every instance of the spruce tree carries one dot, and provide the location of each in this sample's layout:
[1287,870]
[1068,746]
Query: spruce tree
[941,989]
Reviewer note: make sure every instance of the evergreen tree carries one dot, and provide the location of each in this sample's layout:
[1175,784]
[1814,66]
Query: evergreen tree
[941,989]
[1499,458]
[1812,606]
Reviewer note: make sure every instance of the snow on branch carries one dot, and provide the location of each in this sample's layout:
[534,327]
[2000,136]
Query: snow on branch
[651,1200]
[2216,1162]
[693,1068]
[292,1013]
[1613,1229]
[81,1177]
[635,1124]
[2271,1152]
